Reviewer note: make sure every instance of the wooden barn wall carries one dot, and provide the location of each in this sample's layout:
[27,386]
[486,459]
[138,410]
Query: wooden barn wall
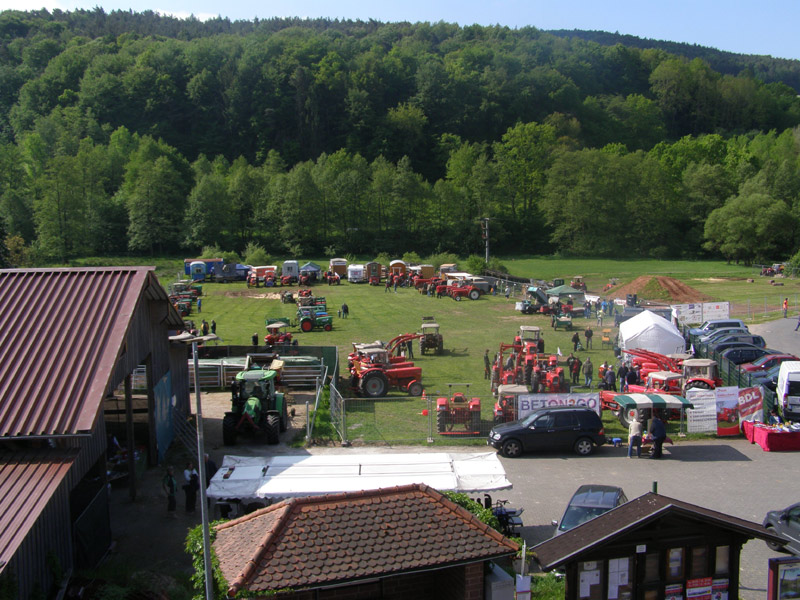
[147,336]
[51,534]
[91,449]
[180,377]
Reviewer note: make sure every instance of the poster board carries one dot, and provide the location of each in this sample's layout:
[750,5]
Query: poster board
[531,402]
[703,417]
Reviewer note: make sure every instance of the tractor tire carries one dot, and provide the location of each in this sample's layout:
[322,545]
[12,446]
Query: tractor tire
[528,374]
[457,298]
[474,294]
[441,421]
[440,346]
[422,346]
[475,422]
[328,327]
[415,388]
[624,418]
[374,384]
[306,325]
[229,430]
[272,429]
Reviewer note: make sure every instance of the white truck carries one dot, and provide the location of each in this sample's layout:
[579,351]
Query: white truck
[788,390]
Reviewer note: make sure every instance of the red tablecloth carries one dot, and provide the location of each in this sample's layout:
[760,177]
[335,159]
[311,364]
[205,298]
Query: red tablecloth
[769,439]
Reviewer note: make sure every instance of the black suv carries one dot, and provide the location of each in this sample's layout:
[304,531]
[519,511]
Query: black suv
[575,427]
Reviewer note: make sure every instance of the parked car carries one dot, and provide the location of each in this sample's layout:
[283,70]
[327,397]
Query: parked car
[747,338]
[768,378]
[554,428]
[766,362]
[588,502]
[716,334]
[785,523]
[709,326]
[742,353]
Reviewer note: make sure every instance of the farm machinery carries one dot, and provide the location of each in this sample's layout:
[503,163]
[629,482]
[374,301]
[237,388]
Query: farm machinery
[430,338]
[458,409]
[374,368]
[578,283]
[256,408]
[523,363]
[505,408]
[276,333]
[314,317]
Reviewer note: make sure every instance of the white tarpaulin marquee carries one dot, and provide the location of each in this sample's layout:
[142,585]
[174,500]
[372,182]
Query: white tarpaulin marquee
[280,477]
[648,331]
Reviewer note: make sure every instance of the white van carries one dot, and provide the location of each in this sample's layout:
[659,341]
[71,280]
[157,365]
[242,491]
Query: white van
[788,390]
[356,274]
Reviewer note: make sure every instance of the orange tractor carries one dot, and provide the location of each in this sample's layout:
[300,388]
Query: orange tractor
[458,409]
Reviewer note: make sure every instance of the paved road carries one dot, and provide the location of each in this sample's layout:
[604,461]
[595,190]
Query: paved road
[731,476]
[780,334]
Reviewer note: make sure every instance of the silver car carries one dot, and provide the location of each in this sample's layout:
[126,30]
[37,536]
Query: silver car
[786,524]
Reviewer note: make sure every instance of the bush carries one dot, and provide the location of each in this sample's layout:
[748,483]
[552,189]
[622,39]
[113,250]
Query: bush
[475,265]
[230,257]
[211,252]
[443,258]
[254,255]
[412,258]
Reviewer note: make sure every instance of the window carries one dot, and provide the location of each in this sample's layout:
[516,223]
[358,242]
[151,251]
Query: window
[674,564]
[699,565]
[722,559]
[565,419]
[590,585]
[651,567]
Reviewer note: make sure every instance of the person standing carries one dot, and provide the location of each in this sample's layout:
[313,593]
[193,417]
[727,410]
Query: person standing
[588,369]
[487,365]
[204,327]
[345,310]
[576,339]
[409,349]
[199,305]
[255,339]
[576,370]
[170,487]
[540,344]
[635,437]
[213,326]
[588,334]
[610,379]
[785,307]
[659,432]
[622,377]
[190,486]
[599,319]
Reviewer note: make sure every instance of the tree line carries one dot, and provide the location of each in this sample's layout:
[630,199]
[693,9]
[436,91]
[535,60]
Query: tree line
[352,137]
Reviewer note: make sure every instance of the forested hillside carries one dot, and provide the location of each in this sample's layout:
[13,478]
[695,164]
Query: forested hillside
[128,132]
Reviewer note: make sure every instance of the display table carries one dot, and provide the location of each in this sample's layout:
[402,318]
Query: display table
[769,438]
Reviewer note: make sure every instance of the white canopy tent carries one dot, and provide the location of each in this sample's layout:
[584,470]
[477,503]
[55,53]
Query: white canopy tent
[278,477]
[648,331]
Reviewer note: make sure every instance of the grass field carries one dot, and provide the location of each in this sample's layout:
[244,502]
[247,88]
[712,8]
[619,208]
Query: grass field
[468,327]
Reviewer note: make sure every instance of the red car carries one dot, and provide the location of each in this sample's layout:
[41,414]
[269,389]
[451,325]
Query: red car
[767,362]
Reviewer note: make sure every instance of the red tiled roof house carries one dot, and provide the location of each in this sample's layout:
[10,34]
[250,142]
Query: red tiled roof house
[401,542]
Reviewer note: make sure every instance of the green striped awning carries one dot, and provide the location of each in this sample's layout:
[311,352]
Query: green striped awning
[628,401]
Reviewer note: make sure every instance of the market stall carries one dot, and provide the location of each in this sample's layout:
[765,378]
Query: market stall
[279,477]
[772,438]
[631,405]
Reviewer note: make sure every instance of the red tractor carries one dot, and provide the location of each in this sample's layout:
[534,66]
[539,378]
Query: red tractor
[458,410]
[375,374]
[506,408]
[457,292]
[507,369]
[276,333]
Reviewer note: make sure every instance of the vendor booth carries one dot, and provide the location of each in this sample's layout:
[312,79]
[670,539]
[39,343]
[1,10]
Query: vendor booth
[278,477]
[772,438]
[631,405]
[648,331]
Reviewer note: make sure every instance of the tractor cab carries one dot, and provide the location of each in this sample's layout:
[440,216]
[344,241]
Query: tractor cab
[701,373]
[430,338]
[664,382]
[578,283]
[506,407]
[529,334]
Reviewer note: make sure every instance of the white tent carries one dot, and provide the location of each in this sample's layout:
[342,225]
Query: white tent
[648,331]
[279,477]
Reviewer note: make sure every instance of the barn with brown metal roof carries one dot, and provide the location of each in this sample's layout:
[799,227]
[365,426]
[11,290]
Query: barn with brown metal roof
[68,339]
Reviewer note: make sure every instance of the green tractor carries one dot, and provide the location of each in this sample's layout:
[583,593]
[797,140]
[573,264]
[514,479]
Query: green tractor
[314,317]
[256,408]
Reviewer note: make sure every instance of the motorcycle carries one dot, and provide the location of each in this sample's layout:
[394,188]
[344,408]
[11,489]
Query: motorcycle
[509,518]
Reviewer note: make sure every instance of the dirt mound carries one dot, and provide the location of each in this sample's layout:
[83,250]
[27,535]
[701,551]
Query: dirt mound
[258,294]
[666,289]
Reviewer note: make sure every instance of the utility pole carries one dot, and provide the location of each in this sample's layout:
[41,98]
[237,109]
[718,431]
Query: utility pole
[485,235]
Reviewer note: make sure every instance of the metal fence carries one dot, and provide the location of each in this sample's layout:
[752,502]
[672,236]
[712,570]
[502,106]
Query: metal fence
[730,372]
[409,419]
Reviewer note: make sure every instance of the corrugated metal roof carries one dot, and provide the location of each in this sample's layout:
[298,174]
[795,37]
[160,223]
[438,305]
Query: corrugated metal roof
[61,333]
[27,481]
